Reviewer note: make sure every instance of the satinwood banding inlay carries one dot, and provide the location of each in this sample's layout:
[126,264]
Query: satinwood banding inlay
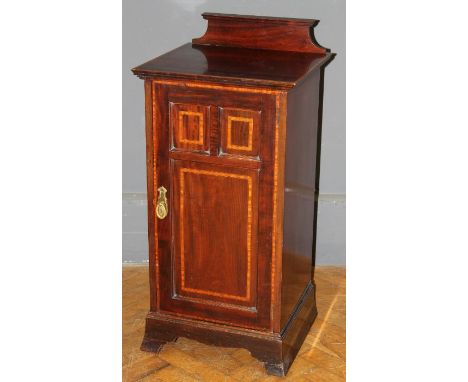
[250,122]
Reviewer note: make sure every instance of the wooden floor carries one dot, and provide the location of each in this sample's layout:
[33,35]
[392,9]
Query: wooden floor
[321,358]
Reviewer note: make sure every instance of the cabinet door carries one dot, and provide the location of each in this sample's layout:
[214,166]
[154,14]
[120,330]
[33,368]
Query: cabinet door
[214,250]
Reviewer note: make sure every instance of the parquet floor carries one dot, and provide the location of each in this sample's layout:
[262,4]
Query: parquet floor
[322,357]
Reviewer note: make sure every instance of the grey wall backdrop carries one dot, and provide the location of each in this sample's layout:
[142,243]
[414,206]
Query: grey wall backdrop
[153,27]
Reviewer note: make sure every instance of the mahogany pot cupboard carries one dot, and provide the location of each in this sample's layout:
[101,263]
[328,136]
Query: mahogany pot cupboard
[233,125]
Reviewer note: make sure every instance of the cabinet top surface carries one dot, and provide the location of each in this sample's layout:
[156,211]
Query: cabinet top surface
[281,69]
[245,50]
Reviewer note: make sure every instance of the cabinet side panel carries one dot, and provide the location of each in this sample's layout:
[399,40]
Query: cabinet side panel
[300,192]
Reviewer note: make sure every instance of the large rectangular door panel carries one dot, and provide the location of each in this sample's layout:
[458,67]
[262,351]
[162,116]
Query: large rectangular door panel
[215,230]
[215,248]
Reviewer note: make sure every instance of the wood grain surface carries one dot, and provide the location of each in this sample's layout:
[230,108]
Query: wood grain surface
[254,32]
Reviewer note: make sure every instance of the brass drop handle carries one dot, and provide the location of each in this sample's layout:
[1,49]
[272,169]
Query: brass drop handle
[161,206]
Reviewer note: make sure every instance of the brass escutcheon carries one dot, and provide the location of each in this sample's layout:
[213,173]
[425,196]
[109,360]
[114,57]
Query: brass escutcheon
[161,206]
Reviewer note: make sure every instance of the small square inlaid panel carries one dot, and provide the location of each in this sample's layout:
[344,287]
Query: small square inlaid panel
[240,131]
[189,127]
